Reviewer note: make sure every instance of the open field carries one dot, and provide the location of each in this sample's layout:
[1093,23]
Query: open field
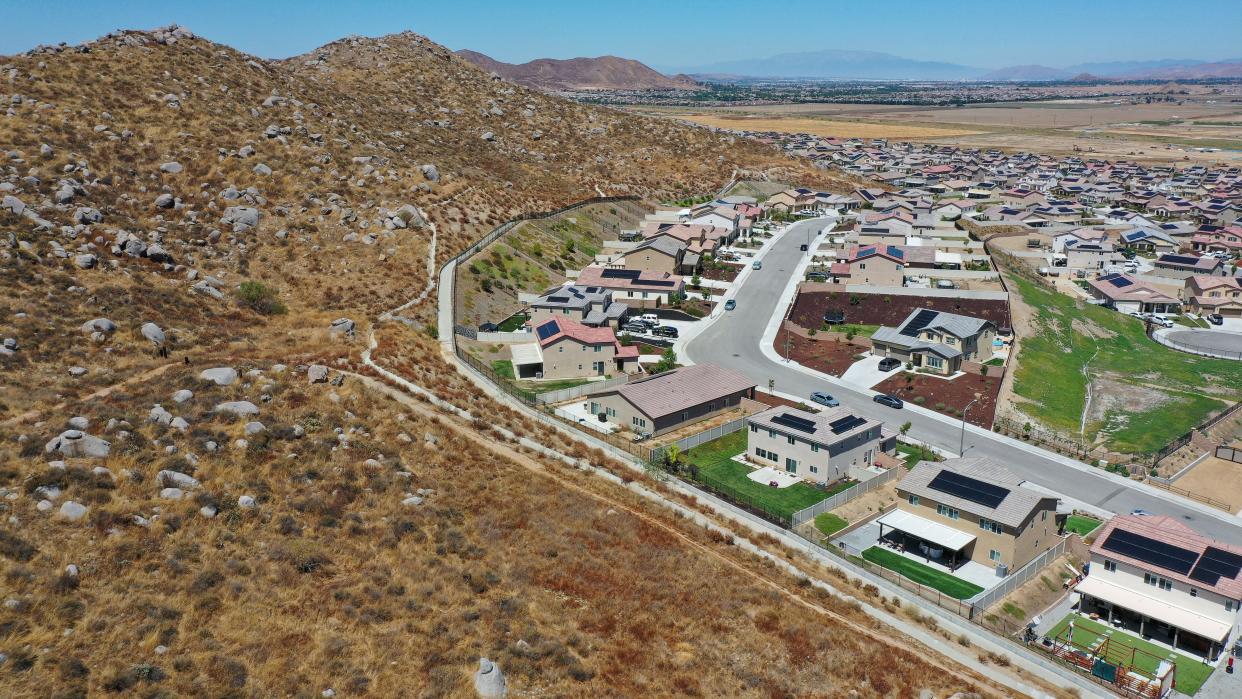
[821,127]
[1143,395]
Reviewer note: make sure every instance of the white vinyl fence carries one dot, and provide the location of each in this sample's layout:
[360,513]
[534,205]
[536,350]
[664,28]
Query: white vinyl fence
[686,443]
[844,496]
[585,389]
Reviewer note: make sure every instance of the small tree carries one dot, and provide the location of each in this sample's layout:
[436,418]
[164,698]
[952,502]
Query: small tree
[668,360]
[695,281]
[905,428]
[259,298]
[672,457]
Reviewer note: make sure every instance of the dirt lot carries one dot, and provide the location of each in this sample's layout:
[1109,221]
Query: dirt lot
[882,309]
[1037,595]
[775,401]
[868,504]
[948,397]
[723,271]
[828,356]
[1215,478]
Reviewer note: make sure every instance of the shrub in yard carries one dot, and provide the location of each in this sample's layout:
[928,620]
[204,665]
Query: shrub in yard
[920,400]
[259,298]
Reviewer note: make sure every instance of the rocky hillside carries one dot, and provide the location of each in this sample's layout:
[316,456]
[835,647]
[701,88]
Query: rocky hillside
[205,494]
[577,74]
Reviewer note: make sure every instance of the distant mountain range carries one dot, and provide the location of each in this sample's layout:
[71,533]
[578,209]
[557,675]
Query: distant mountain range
[603,73]
[833,64]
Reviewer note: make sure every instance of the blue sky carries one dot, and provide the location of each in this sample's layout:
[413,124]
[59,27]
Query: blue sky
[676,33]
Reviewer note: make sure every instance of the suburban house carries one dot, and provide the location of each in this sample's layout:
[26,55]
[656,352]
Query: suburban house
[667,401]
[936,341]
[722,217]
[1182,266]
[1164,580]
[819,447]
[1221,240]
[634,287]
[659,254]
[792,199]
[1223,295]
[1149,240]
[1086,254]
[878,265]
[1078,236]
[971,509]
[589,305]
[566,349]
[1122,292]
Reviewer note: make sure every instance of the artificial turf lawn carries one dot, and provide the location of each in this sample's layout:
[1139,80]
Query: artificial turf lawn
[924,575]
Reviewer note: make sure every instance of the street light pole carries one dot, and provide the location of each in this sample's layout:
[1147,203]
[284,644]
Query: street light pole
[961,444]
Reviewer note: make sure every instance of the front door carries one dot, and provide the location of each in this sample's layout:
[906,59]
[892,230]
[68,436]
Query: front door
[599,368]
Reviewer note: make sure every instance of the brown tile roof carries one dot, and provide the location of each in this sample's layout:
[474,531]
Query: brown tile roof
[684,388]
[1012,511]
[1174,533]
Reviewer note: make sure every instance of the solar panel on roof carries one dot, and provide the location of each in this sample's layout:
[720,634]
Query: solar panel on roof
[1157,553]
[969,488]
[919,322]
[1216,564]
[612,273]
[547,329]
[1120,282]
[558,299]
[794,422]
[1180,259]
[846,424]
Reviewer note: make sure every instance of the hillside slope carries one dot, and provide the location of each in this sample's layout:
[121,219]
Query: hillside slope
[602,73]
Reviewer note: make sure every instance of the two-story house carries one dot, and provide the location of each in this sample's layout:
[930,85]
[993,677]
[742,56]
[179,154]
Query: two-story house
[634,287]
[566,349]
[1207,294]
[971,509]
[589,305]
[878,265]
[819,447]
[1163,580]
[936,340]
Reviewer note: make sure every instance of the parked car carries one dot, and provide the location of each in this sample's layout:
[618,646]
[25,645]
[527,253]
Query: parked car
[756,265]
[825,399]
[1140,513]
[802,247]
[650,319]
[816,276]
[666,331]
[890,401]
[1162,322]
[730,305]
[889,363]
[1215,319]
[635,327]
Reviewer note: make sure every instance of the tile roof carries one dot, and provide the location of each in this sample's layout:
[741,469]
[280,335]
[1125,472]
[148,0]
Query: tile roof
[1012,511]
[1169,531]
[822,432]
[682,389]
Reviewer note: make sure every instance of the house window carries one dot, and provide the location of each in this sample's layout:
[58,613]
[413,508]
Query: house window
[994,555]
[754,428]
[560,349]
[791,440]
[1044,516]
[610,412]
[639,422]
[1149,579]
[1166,584]
[1110,566]
[989,525]
[814,447]
[914,500]
[814,469]
[1229,605]
[935,362]
[772,434]
[791,465]
[946,511]
[599,348]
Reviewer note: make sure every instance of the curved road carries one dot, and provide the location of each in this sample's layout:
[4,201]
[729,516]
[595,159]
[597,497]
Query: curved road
[733,339]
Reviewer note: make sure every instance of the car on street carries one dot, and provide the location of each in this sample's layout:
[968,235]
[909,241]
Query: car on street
[756,265]
[1140,513]
[802,247]
[666,331]
[730,305]
[890,401]
[1162,322]
[825,399]
[1215,319]
[889,363]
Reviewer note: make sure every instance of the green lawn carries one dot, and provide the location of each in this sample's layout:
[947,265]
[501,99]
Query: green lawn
[717,468]
[513,323]
[503,368]
[1191,322]
[994,361]
[919,573]
[913,453]
[829,524]
[1050,374]
[548,386]
[1081,525]
[1191,673]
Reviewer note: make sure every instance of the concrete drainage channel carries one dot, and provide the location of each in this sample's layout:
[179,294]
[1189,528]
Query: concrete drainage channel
[981,639]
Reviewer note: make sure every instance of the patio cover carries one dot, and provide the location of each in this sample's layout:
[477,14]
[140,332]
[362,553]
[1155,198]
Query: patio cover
[526,353]
[1207,627]
[939,534]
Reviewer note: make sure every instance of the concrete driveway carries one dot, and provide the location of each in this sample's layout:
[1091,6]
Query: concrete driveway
[866,373]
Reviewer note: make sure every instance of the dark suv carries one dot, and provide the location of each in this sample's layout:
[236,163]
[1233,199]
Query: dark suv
[890,401]
[889,363]
[666,331]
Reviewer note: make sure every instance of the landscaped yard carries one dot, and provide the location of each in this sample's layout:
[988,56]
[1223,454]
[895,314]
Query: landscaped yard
[503,368]
[919,573]
[513,323]
[829,524]
[912,454]
[1081,525]
[1191,673]
[1147,395]
[547,386]
[717,468]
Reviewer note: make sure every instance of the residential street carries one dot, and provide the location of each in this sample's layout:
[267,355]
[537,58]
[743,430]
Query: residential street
[733,339]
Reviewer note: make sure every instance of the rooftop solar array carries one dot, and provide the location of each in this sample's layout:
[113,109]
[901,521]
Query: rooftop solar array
[919,322]
[558,299]
[612,273]
[1180,259]
[794,422]
[1116,280]
[1216,564]
[969,488]
[846,424]
[548,329]
[1157,553]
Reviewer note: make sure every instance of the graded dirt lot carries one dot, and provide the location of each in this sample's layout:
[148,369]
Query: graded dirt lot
[1215,478]
[821,354]
[948,397]
[885,309]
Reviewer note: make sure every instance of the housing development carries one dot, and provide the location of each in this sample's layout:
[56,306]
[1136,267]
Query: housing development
[385,369]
